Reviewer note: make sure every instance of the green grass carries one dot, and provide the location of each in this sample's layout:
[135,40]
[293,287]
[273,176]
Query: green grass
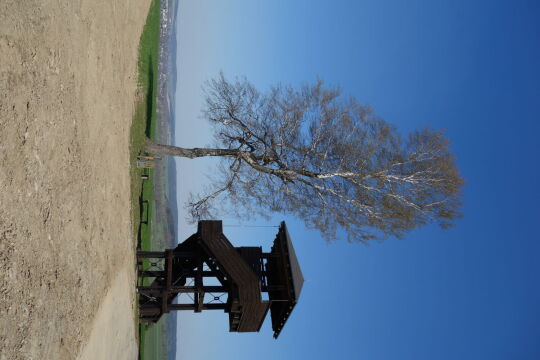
[152,343]
[144,121]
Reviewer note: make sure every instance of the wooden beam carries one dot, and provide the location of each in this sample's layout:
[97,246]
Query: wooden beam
[194,289]
[151,290]
[184,254]
[150,254]
[164,303]
[192,307]
[158,290]
[168,278]
[218,274]
[205,274]
[169,267]
[182,289]
[196,302]
[199,296]
[151,273]
[162,254]
[268,255]
[273,288]
[149,310]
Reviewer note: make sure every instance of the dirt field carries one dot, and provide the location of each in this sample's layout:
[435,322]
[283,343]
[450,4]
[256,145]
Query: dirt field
[67,90]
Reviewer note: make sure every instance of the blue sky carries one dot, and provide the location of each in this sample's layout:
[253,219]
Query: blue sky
[470,67]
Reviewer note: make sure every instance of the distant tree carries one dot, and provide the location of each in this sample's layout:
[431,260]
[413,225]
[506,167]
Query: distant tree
[326,159]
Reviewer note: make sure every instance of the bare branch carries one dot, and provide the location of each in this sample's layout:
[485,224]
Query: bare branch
[330,161]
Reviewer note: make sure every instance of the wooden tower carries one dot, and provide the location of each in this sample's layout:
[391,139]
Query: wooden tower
[247,282]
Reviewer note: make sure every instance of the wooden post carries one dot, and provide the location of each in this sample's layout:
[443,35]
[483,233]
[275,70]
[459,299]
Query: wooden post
[153,289]
[168,280]
[192,307]
[151,273]
[199,297]
[150,254]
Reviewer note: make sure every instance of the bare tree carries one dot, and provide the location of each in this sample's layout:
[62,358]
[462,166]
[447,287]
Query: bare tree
[326,159]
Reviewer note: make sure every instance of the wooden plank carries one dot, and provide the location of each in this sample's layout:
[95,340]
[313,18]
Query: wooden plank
[150,290]
[150,254]
[151,273]
[274,288]
[253,316]
[184,254]
[254,310]
[199,297]
[192,307]
[194,289]
[229,258]
[205,274]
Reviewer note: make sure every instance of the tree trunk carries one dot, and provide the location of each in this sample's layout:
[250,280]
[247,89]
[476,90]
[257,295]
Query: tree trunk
[159,149]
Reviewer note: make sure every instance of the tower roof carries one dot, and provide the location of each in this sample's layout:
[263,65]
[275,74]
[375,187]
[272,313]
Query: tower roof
[285,275]
[296,273]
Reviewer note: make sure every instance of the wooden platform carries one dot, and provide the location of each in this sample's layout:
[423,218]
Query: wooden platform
[243,274]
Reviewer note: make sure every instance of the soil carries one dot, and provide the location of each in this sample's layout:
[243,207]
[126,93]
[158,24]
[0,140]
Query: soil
[67,92]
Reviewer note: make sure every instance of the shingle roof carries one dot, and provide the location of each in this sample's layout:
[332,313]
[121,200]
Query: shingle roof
[296,272]
[285,269]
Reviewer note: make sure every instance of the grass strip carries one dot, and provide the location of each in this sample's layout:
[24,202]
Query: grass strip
[144,125]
